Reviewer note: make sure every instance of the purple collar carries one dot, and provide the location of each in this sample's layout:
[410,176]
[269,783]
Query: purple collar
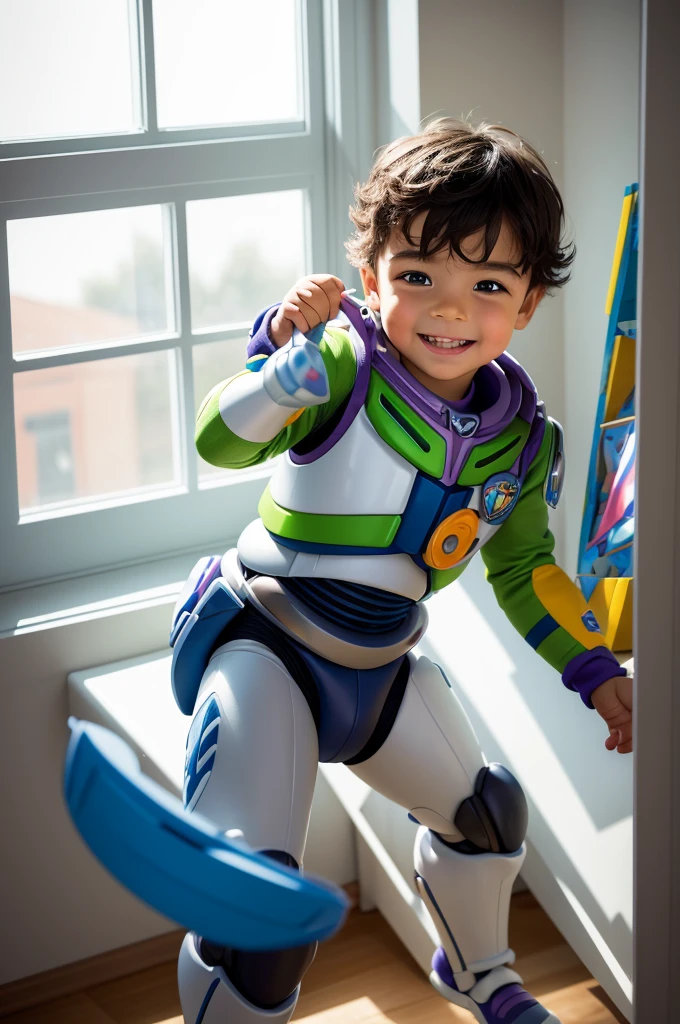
[500,391]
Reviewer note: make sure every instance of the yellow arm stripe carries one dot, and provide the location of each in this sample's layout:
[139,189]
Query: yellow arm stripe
[565,603]
[294,416]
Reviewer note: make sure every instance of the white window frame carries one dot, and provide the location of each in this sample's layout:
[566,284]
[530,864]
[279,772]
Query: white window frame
[178,167]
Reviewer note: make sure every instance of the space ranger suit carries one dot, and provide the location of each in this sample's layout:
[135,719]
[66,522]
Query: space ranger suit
[383,495]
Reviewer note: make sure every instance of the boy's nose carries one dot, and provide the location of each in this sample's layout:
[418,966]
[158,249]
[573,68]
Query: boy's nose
[449,309]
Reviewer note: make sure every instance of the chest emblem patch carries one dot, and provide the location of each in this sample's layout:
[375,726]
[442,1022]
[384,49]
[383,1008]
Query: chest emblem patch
[465,424]
[590,622]
[499,497]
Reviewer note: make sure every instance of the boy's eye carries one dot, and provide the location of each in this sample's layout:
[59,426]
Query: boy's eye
[415,277]
[490,287]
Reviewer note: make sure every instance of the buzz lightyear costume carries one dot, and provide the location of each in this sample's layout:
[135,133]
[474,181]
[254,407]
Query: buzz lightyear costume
[383,494]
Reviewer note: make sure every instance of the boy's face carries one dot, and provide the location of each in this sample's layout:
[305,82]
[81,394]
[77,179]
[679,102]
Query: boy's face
[428,306]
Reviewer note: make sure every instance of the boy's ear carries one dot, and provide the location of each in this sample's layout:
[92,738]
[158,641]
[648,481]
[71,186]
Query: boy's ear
[370,283]
[529,306]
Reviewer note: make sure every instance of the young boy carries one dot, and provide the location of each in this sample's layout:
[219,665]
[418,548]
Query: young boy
[412,440]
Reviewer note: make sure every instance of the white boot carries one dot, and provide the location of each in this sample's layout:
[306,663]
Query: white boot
[208,997]
[468,897]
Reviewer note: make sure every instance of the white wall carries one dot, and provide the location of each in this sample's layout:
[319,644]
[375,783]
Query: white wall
[601,138]
[502,63]
[58,905]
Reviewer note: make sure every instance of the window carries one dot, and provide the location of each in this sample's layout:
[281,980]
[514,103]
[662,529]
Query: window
[162,179]
[48,475]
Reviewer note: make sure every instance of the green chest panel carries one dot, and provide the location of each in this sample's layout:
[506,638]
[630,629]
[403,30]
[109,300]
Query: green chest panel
[403,429]
[496,455]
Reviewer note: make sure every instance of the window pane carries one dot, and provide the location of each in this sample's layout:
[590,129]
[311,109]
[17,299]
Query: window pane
[214,362]
[92,429]
[221,62]
[245,252]
[88,278]
[66,69]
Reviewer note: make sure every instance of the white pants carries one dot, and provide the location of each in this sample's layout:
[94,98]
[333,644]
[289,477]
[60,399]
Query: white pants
[261,781]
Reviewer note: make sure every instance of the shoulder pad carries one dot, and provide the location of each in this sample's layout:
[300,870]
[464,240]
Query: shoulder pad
[552,487]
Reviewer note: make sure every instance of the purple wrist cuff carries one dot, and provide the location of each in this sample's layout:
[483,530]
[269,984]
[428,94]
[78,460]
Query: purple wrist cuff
[588,670]
[260,344]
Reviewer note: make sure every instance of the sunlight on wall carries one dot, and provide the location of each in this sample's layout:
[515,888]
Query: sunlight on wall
[81,613]
[611,961]
[486,674]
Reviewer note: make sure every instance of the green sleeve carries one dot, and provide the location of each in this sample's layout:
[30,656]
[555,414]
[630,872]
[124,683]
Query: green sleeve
[540,600]
[220,446]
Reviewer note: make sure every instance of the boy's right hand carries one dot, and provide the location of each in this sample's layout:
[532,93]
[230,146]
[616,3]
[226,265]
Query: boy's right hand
[311,301]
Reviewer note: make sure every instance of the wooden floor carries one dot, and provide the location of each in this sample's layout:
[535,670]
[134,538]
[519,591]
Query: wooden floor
[362,975]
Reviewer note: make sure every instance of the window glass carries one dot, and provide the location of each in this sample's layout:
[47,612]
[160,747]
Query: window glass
[102,428]
[245,252]
[89,278]
[215,361]
[223,62]
[67,69]
[54,478]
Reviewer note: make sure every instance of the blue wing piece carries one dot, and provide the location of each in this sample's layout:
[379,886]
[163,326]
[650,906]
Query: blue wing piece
[180,864]
[194,635]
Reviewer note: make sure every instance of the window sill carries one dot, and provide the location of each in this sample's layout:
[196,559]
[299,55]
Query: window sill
[96,595]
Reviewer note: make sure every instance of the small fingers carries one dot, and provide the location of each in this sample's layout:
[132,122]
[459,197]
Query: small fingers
[620,740]
[612,741]
[317,296]
[324,300]
[625,736]
[315,299]
[313,303]
[333,289]
[617,717]
[280,329]
[300,314]
[328,282]
[625,691]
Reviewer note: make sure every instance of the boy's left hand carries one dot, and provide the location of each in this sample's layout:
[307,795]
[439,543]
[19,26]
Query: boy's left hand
[613,701]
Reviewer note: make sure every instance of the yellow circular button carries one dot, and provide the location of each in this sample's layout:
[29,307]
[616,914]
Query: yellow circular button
[452,539]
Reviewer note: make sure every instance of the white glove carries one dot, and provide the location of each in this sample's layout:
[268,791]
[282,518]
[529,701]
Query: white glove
[295,376]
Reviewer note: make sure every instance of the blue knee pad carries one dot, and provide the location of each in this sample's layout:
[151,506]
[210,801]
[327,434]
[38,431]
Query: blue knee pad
[266,978]
[495,818]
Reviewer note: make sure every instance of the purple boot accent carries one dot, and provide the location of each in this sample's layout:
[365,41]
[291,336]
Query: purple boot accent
[510,1004]
[440,964]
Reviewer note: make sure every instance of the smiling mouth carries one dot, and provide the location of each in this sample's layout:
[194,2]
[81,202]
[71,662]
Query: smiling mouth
[446,344]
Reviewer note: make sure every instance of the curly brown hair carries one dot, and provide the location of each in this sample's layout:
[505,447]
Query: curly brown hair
[466,179]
